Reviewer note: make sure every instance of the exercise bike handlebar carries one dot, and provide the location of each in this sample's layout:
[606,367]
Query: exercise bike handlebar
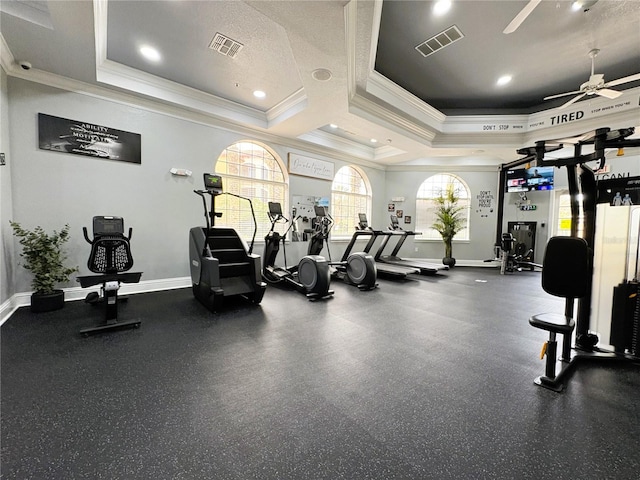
[90,242]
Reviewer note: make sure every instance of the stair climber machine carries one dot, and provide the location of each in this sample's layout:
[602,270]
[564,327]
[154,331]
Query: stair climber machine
[311,276]
[358,269]
[221,263]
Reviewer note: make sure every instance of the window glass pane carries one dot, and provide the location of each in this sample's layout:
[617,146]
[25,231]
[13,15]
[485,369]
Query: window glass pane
[563,227]
[432,188]
[250,170]
[349,197]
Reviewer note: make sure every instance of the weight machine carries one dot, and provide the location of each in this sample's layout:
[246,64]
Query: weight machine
[583,198]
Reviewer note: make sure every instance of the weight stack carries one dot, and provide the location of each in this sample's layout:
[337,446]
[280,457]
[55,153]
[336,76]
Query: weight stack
[635,329]
[625,318]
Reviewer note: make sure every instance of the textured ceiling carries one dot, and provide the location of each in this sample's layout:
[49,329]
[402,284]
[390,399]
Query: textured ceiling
[379,88]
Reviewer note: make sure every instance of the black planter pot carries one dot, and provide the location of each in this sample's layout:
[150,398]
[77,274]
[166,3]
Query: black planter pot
[449,262]
[46,302]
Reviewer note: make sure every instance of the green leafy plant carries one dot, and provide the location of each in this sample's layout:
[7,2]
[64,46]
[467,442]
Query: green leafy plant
[449,217]
[44,257]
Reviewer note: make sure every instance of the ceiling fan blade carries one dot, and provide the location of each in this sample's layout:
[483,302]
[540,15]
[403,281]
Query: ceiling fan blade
[521,17]
[608,93]
[619,81]
[572,101]
[562,95]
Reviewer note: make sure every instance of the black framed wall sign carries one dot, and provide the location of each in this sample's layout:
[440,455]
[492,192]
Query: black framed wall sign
[89,139]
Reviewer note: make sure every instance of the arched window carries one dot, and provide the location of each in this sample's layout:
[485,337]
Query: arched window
[431,188]
[250,170]
[350,195]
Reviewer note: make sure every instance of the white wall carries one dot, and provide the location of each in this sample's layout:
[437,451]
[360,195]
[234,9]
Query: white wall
[50,188]
[402,182]
[53,188]
[7,259]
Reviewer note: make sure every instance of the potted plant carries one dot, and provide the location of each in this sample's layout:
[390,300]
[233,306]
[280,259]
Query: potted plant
[449,220]
[44,258]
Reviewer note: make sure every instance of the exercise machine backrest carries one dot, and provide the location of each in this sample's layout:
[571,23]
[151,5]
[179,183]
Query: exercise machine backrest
[110,248]
[567,267]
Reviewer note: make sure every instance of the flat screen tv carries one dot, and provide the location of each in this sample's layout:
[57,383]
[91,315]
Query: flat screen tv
[531,179]
[540,178]
[517,180]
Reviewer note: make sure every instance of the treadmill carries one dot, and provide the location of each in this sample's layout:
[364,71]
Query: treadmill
[425,267]
[384,269]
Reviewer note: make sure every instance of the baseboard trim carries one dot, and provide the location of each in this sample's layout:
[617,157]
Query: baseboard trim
[72,294]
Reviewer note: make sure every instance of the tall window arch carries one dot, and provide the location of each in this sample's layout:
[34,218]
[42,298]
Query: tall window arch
[250,170]
[350,195]
[430,189]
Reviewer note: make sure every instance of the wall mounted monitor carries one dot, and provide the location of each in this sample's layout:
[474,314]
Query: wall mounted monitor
[540,178]
[517,181]
[528,180]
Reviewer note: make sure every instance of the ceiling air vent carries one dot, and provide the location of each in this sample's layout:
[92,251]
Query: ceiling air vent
[439,41]
[225,45]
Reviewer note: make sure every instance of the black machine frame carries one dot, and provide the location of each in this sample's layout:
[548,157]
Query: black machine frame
[221,263]
[424,266]
[111,259]
[311,276]
[389,270]
[583,195]
[357,268]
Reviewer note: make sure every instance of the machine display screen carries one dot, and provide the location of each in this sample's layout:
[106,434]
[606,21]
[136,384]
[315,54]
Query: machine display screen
[530,179]
[540,178]
[213,182]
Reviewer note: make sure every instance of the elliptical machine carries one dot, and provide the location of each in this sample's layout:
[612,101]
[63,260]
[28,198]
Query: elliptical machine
[222,264]
[312,274]
[358,268]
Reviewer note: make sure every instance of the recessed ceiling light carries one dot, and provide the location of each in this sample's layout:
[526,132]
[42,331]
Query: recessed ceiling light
[333,125]
[259,94]
[373,140]
[150,53]
[503,80]
[441,7]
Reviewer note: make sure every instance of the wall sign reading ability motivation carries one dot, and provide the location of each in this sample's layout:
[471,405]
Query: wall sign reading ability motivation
[310,167]
[81,138]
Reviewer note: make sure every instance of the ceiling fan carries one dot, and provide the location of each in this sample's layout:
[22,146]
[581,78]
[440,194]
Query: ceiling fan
[595,85]
[529,7]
